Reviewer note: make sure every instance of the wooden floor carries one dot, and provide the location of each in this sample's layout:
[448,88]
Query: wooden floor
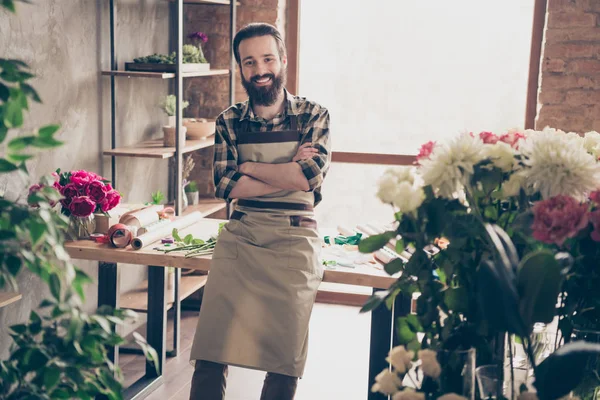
[337,363]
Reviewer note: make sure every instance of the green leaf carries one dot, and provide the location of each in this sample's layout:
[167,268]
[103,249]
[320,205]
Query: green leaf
[19,143]
[394,266]
[31,92]
[19,329]
[103,322]
[7,234]
[37,229]
[46,303]
[13,114]
[48,130]
[17,158]
[7,166]
[13,263]
[375,242]
[539,280]
[415,263]
[457,299]
[3,130]
[404,331]
[175,235]
[4,92]
[188,239]
[435,217]
[46,142]
[561,372]
[375,301]
[55,286]
[9,5]
[400,246]
[51,377]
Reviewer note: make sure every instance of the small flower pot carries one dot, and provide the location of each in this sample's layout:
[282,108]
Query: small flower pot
[169,138]
[192,198]
[199,128]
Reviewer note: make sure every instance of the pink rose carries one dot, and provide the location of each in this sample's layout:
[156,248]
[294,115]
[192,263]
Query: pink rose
[488,138]
[425,151]
[595,197]
[69,191]
[558,218]
[82,178]
[595,220]
[82,206]
[96,191]
[512,139]
[111,201]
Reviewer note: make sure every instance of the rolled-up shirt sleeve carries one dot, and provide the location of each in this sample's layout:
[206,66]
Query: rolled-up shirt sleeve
[317,132]
[225,163]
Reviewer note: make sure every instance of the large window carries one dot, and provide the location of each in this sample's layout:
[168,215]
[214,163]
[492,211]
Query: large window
[395,74]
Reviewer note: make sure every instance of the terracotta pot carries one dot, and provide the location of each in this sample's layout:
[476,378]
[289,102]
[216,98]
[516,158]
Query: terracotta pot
[169,138]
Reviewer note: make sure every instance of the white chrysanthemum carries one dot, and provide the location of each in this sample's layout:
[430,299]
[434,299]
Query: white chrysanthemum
[408,394]
[400,359]
[591,142]
[386,382]
[450,164]
[501,154]
[514,184]
[401,187]
[557,163]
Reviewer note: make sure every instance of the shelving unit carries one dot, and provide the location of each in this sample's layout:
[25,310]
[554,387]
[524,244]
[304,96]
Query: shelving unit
[184,286]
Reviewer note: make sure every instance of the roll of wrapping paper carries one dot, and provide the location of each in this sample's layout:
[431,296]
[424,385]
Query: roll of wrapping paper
[141,217]
[119,235]
[144,240]
[152,227]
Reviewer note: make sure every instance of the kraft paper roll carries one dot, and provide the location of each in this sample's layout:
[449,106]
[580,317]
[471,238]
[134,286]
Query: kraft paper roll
[152,227]
[144,240]
[142,217]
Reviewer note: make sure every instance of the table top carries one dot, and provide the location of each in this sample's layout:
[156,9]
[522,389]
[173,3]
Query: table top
[370,275]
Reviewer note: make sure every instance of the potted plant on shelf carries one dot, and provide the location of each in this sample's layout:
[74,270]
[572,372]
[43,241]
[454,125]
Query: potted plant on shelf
[169,106]
[191,192]
[193,58]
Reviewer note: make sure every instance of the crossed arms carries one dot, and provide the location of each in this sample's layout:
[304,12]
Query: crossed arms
[305,171]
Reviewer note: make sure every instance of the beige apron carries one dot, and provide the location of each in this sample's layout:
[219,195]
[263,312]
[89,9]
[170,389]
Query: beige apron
[265,272]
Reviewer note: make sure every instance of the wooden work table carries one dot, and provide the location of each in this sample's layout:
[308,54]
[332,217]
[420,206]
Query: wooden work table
[368,275]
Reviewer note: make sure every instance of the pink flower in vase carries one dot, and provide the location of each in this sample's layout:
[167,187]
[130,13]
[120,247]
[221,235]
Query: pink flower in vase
[112,199]
[595,197]
[512,139]
[425,151]
[488,137]
[82,178]
[34,189]
[595,220]
[69,191]
[82,206]
[558,218]
[96,191]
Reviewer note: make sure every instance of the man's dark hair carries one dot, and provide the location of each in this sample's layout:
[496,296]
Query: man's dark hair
[255,30]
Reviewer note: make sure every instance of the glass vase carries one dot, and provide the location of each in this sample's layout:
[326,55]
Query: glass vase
[589,388]
[458,372]
[80,228]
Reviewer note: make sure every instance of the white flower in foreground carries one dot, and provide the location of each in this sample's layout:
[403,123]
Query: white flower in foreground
[512,187]
[429,363]
[557,163]
[591,142]
[401,187]
[400,359]
[450,164]
[501,154]
[386,382]
[527,396]
[408,394]
[452,396]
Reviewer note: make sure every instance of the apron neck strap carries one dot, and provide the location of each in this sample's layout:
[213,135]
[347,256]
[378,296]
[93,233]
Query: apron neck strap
[245,124]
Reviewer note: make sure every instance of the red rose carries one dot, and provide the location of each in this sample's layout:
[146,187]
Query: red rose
[82,178]
[111,201]
[595,220]
[488,138]
[558,218]
[425,150]
[512,139]
[82,206]
[96,191]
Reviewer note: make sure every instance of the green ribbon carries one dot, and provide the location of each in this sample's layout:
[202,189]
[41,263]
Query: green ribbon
[353,240]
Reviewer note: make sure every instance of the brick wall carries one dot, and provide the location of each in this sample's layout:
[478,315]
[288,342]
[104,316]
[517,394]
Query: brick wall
[209,96]
[570,82]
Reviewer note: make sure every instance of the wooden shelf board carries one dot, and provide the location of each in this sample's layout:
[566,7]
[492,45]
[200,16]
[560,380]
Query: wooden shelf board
[137,299]
[155,149]
[165,75]
[7,298]
[206,207]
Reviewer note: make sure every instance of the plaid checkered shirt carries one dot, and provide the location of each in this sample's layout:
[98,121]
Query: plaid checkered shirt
[313,123]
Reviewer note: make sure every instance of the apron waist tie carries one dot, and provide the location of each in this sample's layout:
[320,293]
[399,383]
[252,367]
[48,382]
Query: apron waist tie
[278,205]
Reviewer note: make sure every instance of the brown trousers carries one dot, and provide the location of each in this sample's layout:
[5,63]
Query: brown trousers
[210,380]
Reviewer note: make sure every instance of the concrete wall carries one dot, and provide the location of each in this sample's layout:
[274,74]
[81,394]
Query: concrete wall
[66,43]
